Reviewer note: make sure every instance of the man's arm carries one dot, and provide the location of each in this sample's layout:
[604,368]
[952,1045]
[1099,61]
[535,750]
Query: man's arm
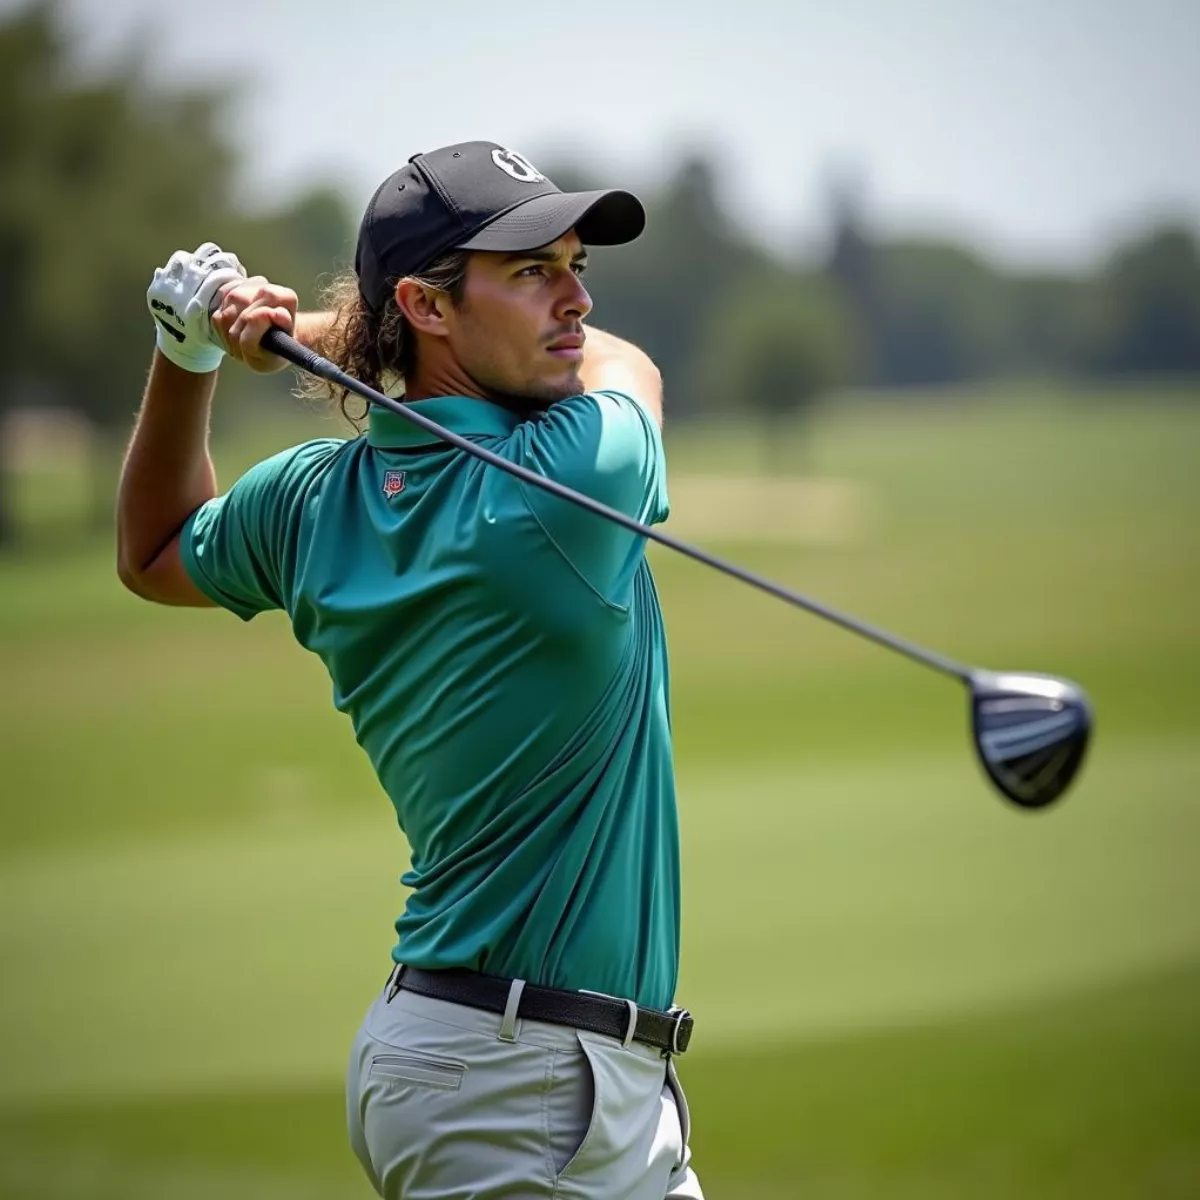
[168,471]
[166,476]
[313,328]
[612,364]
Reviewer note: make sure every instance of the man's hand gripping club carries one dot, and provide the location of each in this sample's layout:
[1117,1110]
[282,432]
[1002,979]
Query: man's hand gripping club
[204,307]
[168,472]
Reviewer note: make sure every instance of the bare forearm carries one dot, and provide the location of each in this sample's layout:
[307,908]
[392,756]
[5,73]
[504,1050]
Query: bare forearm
[612,362]
[313,328]
[168,472]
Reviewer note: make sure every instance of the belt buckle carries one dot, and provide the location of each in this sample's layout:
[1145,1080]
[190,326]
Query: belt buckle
[681,1037]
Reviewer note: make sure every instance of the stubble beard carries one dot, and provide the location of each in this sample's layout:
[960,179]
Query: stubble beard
[538,397]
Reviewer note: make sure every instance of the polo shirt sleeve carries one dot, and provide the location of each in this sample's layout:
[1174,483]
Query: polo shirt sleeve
[240,548]
[605,445]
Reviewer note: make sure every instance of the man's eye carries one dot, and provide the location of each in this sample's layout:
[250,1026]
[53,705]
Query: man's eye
[537,270]
[579,268]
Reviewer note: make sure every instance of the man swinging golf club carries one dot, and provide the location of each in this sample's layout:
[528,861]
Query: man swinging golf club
[499,651]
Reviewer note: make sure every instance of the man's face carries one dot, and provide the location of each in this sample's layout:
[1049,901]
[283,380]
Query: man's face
[518,330]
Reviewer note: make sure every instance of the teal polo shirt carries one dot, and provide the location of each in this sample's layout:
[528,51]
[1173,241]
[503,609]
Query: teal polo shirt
[500,653]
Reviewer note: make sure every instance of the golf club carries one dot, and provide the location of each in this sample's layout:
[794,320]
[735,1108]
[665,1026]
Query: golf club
[1031,731]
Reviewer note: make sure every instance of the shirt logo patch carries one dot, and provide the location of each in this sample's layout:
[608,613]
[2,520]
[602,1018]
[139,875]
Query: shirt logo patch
[393,483]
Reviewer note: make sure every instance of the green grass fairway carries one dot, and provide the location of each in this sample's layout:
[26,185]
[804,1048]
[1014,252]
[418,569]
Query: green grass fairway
[904,988]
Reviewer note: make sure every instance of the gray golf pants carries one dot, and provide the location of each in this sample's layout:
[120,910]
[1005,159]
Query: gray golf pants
[446,1102]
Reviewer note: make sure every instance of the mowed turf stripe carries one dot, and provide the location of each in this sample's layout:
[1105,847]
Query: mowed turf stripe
[180,962]
[815,902]
[901,889]
[1091,1094]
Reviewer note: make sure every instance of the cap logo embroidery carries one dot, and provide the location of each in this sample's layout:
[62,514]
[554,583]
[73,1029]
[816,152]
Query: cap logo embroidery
[518,166]
[393,483]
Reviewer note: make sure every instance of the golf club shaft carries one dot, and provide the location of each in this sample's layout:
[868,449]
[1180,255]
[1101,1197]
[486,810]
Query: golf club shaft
[285,346]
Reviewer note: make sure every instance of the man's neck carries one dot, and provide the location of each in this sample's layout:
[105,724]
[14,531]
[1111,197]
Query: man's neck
[448,379]
[426,385]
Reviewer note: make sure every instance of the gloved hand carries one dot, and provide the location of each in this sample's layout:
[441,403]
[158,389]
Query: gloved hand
[179,297]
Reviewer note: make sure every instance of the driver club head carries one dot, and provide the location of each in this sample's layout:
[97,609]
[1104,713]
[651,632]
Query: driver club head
[1031,733]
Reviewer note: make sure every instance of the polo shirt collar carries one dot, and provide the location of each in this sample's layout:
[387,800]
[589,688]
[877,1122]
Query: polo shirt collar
[463,415]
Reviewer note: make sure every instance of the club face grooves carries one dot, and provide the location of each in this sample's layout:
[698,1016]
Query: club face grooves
[1031,733]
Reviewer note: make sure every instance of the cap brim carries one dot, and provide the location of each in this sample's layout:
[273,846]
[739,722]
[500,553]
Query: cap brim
[605,218]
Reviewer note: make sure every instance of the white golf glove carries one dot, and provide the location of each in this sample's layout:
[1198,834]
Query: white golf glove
[179,297]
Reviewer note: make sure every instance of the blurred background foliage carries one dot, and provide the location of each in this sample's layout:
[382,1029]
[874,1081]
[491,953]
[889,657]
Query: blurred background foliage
[738,328]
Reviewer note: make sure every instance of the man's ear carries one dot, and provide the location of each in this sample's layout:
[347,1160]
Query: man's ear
[424,307]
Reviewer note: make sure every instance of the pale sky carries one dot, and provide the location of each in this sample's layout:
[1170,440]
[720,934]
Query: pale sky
[1041,128]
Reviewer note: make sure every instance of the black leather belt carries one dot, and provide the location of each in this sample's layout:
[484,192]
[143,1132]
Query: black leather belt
[667,1031]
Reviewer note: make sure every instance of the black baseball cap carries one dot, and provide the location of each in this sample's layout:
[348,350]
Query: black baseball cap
[477,196]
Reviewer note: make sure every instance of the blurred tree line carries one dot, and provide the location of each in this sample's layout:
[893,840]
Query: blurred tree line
[101,177]
[100,180]
[710,304]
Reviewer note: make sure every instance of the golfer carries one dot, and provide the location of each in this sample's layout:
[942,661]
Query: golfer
[499,652]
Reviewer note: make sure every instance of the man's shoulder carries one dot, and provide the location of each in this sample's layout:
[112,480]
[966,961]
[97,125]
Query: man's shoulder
[597,401]
[315,452]
[296,465]
[602,425]
[602,439]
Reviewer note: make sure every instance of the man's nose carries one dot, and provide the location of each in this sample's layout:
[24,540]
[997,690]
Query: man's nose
[575,303]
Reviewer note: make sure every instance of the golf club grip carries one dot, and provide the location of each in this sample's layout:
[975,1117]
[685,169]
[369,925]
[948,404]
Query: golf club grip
[286,347]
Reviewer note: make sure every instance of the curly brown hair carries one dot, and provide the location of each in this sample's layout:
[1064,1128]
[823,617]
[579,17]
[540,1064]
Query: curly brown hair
[374,347]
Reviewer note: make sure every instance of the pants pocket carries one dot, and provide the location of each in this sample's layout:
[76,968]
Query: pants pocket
[419,1071]
[619,1152]
[438,1110]
[572,1104]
